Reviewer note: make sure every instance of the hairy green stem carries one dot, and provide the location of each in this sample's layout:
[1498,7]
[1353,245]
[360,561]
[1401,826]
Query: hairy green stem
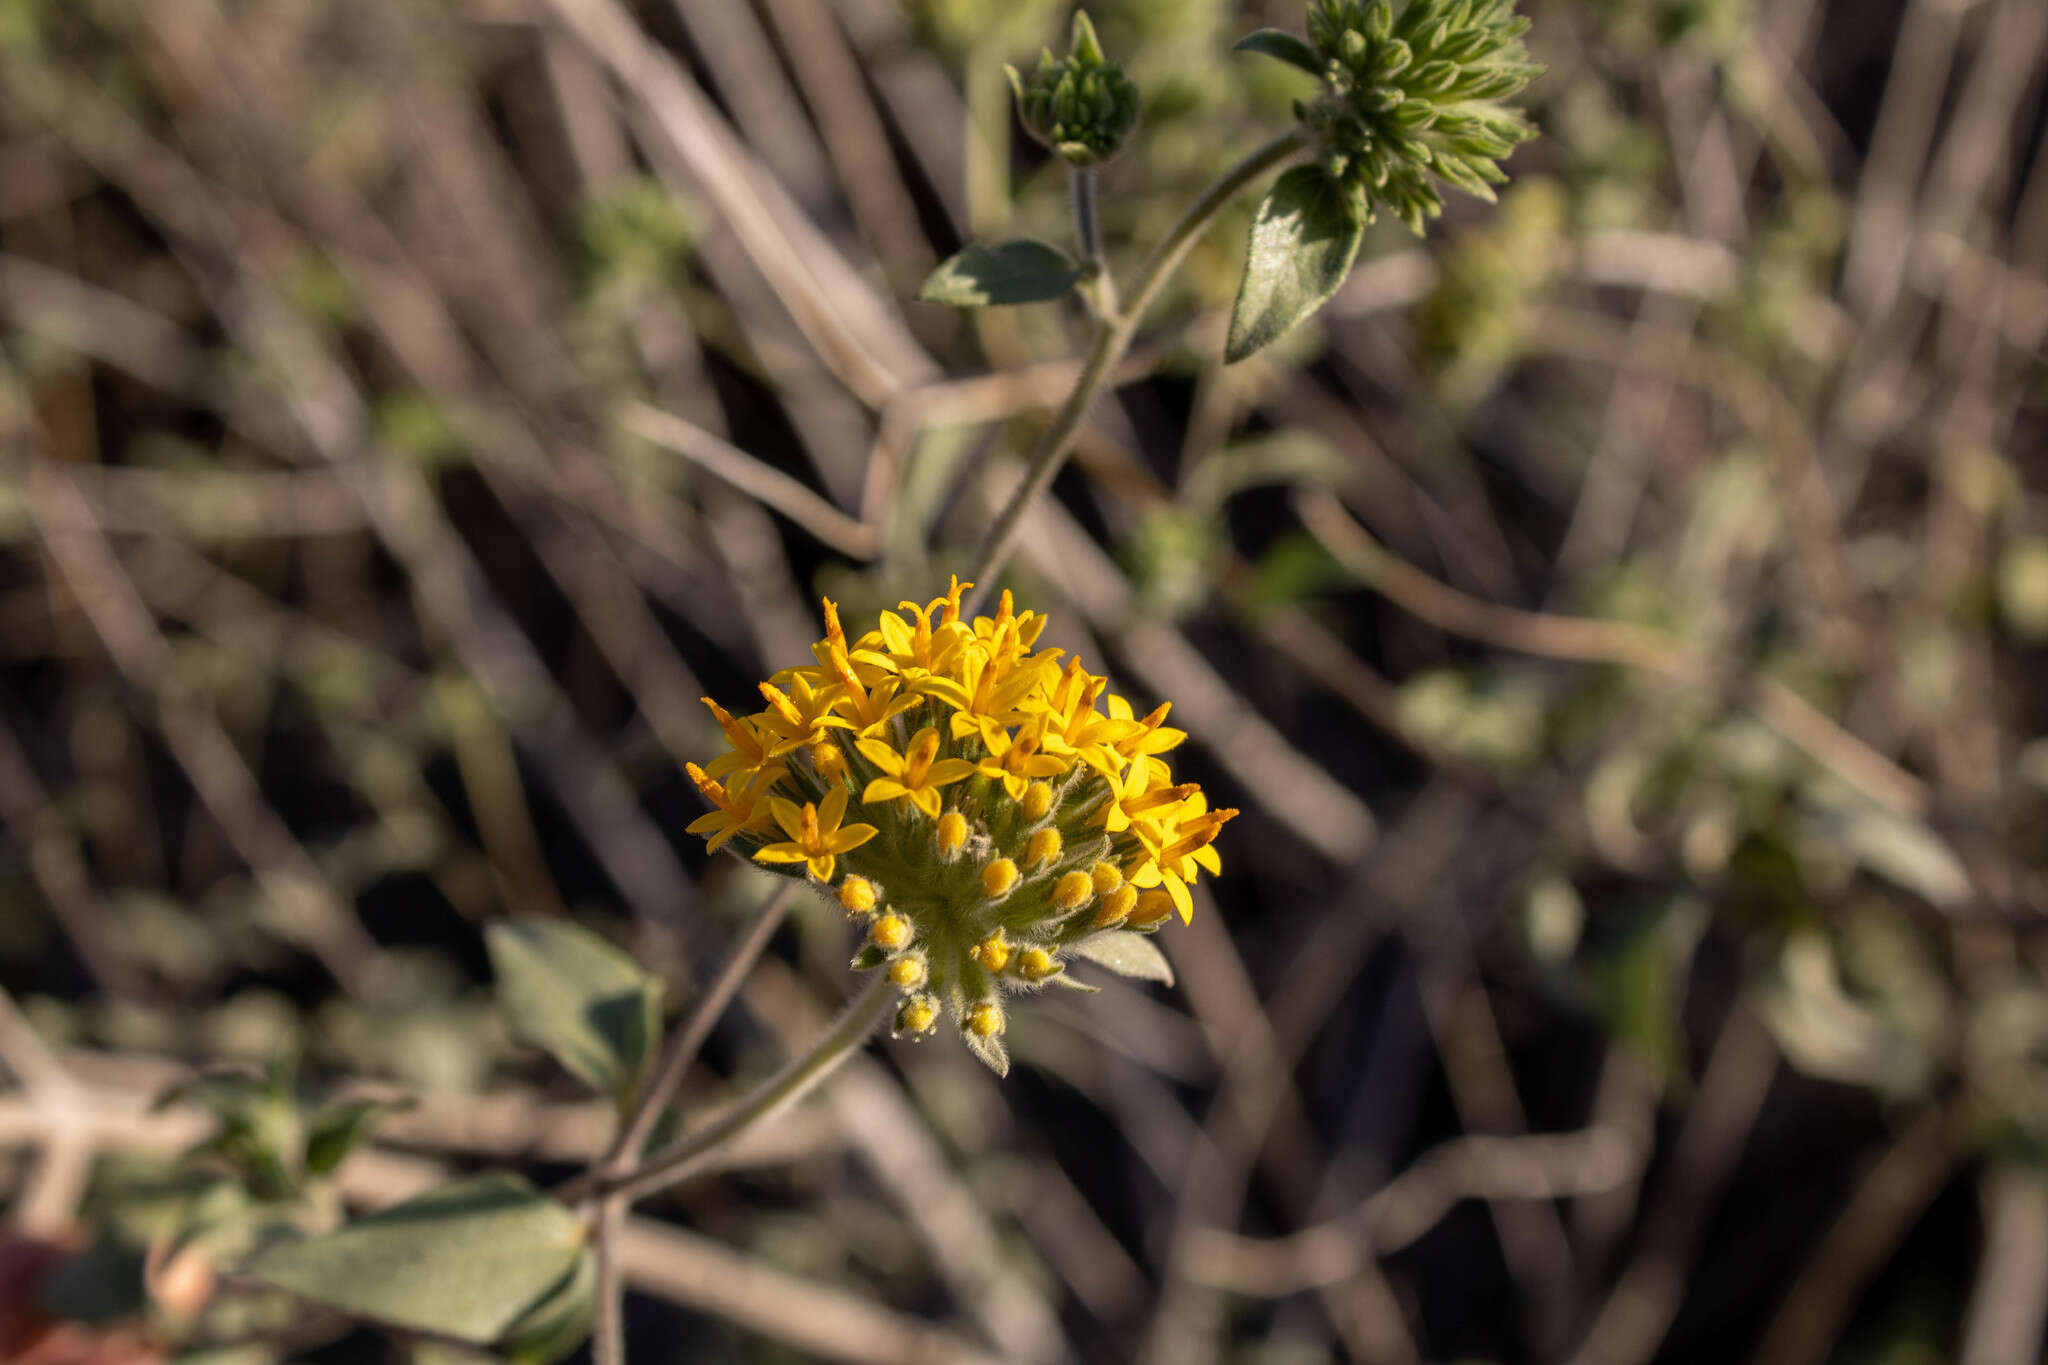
[1112,338]
[685,1156]
[1088,237]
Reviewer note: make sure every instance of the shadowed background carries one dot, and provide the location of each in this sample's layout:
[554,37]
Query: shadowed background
[1619,616]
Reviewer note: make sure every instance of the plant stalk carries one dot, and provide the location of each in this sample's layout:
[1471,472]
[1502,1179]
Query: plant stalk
[1113,335]
[685,1156]
[1088,237]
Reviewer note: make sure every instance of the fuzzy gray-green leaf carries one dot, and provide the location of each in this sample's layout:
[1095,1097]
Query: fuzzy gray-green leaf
[1302,245]
[573,995]
[1126,954]
[1022,271]
[467,1260]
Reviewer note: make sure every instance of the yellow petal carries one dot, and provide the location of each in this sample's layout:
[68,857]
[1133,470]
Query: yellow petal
[949,770]
[781,853]
[787,814]
[833,809]
[884,789]
[881,755]
[849,838]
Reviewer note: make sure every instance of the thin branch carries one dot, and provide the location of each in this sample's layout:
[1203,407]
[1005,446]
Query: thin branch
[854,539]
[1112,338]
[685,1157]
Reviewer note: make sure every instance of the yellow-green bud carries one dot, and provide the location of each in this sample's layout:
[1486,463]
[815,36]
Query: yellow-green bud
[985,1020]
[908,972]
[1036,964]
[1108,877]
[890,931]
[857,896]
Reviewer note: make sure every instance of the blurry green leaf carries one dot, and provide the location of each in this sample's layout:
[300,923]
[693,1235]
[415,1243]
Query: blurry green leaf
[1284,47]
[1023,271]
[1126,954]
[468,1260]
[573,995]
[339,1129]
[1642,985]
[414,425]
[558,1324]
[1302,245]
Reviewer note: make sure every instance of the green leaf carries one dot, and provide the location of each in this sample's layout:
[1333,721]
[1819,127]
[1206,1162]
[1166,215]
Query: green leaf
[1282,46]
[1126,954]
[1302,245]
[469,1260]
[571,994]
[1022,271]
[991,1051]
[558,1324]
[339,1129]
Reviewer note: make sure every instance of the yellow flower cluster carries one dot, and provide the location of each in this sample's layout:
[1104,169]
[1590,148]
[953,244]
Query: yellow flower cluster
[1006,810]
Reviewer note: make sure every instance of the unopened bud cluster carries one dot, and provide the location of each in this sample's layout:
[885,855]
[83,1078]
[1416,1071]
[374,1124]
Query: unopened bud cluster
[1008,807]
[1414,98]
[1081,105]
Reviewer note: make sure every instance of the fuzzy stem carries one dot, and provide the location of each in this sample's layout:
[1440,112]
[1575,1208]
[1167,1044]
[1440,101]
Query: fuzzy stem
[683,1157]
[1113,335]
[1088,237]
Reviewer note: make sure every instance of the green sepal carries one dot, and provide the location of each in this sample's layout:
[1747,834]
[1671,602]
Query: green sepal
[869,957]
[1283,47]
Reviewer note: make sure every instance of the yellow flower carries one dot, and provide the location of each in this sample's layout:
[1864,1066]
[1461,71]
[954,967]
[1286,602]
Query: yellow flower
[737,808]
[799,717]
[1005,808]
[1014,760]
[913,775]
[815,836]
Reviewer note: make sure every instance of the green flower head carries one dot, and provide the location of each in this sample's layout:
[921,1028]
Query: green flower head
[1081,105]
[1414,98]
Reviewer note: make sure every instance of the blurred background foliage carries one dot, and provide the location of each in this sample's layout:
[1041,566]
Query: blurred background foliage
[1620,616]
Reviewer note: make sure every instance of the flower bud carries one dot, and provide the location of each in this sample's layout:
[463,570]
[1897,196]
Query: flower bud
[890,932]
[916,1015]
[951,833]
[1108,878]
[1036,964]
[985,1020]
[1043,847]
[1073,890]
[998,877]
[1037,801]
[909,971]
[1082,105]
[857,896]
[1152,907]
[1116,906]
[993,952]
